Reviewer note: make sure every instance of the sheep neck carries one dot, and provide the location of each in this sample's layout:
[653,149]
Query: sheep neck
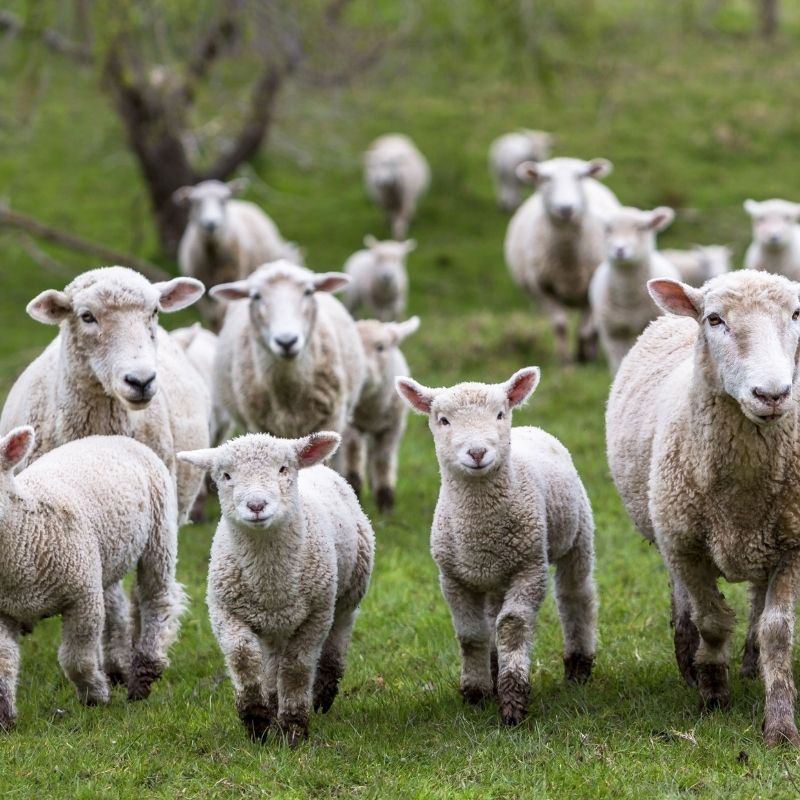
[285,376]
[275,554]
[480,498]
[627,282]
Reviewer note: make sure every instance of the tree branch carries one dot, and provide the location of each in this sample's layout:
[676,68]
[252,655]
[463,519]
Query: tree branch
[212,43]
[12,25]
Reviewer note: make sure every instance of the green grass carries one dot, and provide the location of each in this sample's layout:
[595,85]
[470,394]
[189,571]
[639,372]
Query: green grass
[698,122]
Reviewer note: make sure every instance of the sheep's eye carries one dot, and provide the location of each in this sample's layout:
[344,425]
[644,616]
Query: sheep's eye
[309,291]
[444,421]
[380,348]
[796,315]
[282,470]
[226,476]
[714,320]
[88,317]
[501,415]
[255,295]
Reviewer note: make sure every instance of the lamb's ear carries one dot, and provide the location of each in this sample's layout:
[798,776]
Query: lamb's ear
[528,172]
[16,446]
[370,241]
[661,218]
[316,448]
[402,330]
[521,385]
[238,185]
[598,168]
[200,458]
[330,281]
[49,307]
[182,196]
[419,397]
[179,293]
[751,207]
[223,292]
[410,245]
[676,297]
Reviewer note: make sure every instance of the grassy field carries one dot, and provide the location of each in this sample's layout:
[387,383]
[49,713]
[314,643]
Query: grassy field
[699,122]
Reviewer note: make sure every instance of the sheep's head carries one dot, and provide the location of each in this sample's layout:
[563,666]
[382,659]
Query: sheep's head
[560,183]
[256,474]
[749,330]
[471,422]
[773,222]
[630,233]
[109,320]
[208,203]
[540,143]
[716,258]
[380,339]
[283,305]
[388,264]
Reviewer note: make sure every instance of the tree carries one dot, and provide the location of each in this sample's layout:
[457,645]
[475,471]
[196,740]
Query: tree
[768,14]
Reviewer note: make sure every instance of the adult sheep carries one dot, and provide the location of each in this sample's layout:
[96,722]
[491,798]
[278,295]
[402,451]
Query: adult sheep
[555,242]
[703,436]
[506,153]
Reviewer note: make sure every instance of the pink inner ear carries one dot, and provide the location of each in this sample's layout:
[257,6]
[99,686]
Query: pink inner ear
[672,296]
[16,448]
[420,401]
[179,294]
[318,449]
[521,388]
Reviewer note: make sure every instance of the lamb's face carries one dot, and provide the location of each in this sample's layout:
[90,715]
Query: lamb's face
[773,222]
[383,172]
[208,203]
[380,341]
[716,259]
[630,234]
[389,264]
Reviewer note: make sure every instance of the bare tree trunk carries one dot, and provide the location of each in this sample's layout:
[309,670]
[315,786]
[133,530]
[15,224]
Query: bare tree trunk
[768,13]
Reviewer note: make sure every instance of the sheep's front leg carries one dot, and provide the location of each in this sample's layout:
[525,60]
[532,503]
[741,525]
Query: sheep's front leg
[352,451]
[383,467]
[558,321]
[332,660]
[9,669]
[117,635]
[81,646]
[587,337]
[686,638]
[751,654]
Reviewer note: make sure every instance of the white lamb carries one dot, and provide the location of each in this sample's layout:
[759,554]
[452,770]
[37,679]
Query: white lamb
[510,503]
[507,153]
[396,176]
[378,279]
[621,305]
[776,237]
[703,430]
[74,523]
[290,563]
[289,360]
[379,421]
[701,263]
[113,370]
[555,242]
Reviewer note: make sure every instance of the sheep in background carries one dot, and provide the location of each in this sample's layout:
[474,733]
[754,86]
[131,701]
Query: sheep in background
[396,175]
[621,305]
[555,242]
[776,237]
[507,153]
[290,564]
[701,263]
[378,279]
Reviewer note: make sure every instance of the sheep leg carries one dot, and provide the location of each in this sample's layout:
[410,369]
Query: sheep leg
[383,467]
[330,668]
[9,670]
[686,637]
[468,609]
[81,645]
[750,656]
[353,450]
[587,337]
[117,635]
[270,677]
[558,321]
[776,640]
[493,606]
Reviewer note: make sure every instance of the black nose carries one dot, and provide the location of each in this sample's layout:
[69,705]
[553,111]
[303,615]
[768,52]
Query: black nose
[565,211]
[477,454]
[256,506]
[286,341]
[209,226]
[771,397]
[142,383]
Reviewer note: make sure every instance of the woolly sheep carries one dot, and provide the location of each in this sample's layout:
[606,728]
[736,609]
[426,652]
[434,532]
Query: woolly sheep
[506,153]
[776,237]
[379,420]
[113,370]
[621,305]
[510,503]
[704,446]
[396,175]
[225,239]
[74,523]
[555,242]
[289,360]
[701,263]
[290,563]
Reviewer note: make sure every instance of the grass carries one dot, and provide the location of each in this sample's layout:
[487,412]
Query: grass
[698,122]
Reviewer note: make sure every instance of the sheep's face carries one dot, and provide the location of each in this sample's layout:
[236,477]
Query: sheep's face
[256,475]
[471,422]
[540,144]
[388,275]
[208,204]
[748,339]
[384,173]
[773,222]
[716,259]
[109,323]
[380,341]
[630,234]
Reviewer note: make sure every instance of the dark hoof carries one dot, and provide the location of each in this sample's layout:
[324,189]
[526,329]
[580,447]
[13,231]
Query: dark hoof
[198,512]
[587,349]
[475,695]
[256,719]
[324,697]
[512,695]
[712,681]
[687,640]
[116,677]
[294,731]
[578,668]
[144,673]
[494,668]
[751,663]
[781,732]
[354,479]
[384,499]
[326,684]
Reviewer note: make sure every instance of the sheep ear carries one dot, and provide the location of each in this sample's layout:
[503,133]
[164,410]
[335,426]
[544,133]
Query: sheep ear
[402,330]
[238,290]
[661,218]
[410,245]
[521,385]
[676,297]
[751,207]
[528,172]
[238,185]
[419,397]
[49,307]
[330,281]
[182,196]
[370,241]
[200,458]
[598,168]
[179,293]
[16,446]
[316,448]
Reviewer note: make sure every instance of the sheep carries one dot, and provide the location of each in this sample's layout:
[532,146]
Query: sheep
[290,563]
[225,239]
[621,306]
[554,242]
[378,279]
[776,237]
[74,523]
[289,360]
[379,421]
[701,263]
[506,153]
[703,434]
[113,370]
[510,503]
[396,175]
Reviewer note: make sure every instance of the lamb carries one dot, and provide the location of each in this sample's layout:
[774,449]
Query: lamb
[396,175]
[511,502]
[379,421]
[226,239]
[555,242]
[703,433]
[701,263]
[102,373]
[506,153]
[378,279]
[290,564]
[621,306]
[74,523]
[776,237]
[289,360]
